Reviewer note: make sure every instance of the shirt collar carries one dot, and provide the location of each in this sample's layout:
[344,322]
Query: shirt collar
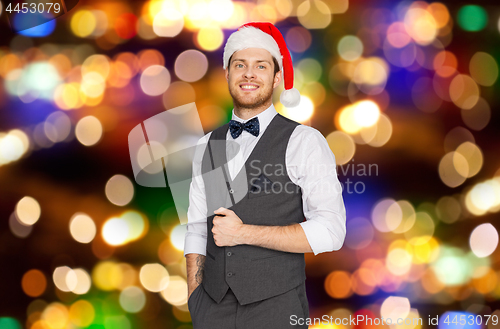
[265,117]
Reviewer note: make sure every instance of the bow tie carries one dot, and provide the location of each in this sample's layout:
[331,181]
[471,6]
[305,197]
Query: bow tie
[236,128]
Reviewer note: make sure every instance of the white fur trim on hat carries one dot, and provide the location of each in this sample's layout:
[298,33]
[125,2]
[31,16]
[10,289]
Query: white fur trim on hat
[290,97]
[251,37]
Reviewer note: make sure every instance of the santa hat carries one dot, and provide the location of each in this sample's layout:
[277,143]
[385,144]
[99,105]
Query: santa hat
[266,36]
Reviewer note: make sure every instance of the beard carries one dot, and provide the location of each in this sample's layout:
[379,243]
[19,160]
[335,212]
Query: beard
[250,103]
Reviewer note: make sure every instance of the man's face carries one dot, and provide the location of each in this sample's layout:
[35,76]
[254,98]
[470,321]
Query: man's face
[250,77]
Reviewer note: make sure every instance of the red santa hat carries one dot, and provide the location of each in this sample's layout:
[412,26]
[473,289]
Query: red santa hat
[266,36]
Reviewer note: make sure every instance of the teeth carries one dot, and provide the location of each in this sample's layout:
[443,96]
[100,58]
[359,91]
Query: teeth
[249,87]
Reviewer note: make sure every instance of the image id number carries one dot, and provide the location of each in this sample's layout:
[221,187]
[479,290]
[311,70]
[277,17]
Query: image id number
[471,319]
[35,7]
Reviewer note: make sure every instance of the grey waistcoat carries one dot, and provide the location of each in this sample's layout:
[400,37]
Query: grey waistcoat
[264,195]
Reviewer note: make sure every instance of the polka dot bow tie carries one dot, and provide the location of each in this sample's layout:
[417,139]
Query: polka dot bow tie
[236,128]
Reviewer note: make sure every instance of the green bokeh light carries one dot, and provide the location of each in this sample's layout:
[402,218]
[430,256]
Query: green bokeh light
[9,323]
[117,322]
[472,18]
[452,268]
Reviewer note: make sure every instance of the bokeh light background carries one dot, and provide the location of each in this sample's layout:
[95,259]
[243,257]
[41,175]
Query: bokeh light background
[406,94]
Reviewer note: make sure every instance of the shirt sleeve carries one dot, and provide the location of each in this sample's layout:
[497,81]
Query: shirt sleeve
[311,165]
[195,241]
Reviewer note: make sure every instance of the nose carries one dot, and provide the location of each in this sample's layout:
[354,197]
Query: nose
[249,73]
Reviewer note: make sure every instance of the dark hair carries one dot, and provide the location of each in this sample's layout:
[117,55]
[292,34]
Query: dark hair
[275,62]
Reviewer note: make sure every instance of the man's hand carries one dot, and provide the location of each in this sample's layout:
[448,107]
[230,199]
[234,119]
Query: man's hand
[227,228]
[229,231]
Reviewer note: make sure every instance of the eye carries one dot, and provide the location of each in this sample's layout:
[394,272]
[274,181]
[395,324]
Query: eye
[238,65]
[263,66]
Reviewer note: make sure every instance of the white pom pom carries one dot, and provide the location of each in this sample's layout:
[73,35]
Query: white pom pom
[290,97]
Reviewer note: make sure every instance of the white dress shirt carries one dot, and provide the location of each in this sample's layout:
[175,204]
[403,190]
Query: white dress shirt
[310,164]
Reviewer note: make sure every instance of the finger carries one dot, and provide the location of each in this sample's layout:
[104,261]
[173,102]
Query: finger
[221,211]
[218,218]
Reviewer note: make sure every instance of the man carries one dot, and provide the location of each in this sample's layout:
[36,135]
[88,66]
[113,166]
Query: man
[246,234]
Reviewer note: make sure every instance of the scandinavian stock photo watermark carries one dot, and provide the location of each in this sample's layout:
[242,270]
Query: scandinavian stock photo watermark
[327,177]
[454,319]
[358,172]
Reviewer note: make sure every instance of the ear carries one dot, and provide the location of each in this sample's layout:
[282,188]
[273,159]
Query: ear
[226,73]
[277,79]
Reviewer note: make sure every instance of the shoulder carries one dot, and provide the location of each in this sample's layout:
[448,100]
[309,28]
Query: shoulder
[306,140]
[302,132]
[309,143]
[214,133]
[288,120]
[219,133]
[305,133]
[200,147]
[204,139]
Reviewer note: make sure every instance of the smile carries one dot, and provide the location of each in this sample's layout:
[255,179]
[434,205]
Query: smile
[249,87]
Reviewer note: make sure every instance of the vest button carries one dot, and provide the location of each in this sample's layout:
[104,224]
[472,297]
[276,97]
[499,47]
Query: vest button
[229,274]
[229,253]
[231,191]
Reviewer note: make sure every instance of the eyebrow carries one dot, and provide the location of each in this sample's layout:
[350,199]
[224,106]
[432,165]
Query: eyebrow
[244,60]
